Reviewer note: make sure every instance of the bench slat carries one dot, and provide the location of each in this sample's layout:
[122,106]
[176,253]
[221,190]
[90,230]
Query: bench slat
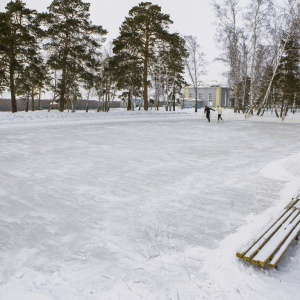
[259,244]
[258,236]
[295,202]
[278,256]
[269,246]
[265,253]
[297,205]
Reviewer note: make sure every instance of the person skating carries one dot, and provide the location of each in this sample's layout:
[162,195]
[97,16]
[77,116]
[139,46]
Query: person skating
[220,110]
[207,111]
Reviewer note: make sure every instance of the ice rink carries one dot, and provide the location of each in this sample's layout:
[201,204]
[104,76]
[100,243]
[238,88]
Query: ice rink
[136,205]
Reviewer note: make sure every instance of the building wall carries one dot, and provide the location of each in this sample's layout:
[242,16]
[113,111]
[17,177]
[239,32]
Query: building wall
[186,93]
[210,96]
[218,96]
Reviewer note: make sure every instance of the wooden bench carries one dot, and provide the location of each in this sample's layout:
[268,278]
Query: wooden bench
[268,247]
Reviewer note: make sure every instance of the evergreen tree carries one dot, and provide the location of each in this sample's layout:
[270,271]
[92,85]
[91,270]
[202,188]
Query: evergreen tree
[3,78]
[126,70]
[105,80]
[18,28]
[170,65]
[32,80]
[140,34]
[287,80]
[73,42]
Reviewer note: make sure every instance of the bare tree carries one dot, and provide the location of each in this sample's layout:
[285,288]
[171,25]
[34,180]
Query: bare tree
[195,63]
[228,35]
[244,70]
[257,23]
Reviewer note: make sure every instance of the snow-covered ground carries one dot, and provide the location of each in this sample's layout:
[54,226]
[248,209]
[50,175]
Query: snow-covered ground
[143,205]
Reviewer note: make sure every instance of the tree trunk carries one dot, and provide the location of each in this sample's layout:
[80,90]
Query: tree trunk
[173,100]
[145,73]
[12,86]
[105,102]
[39,101]
[235,69]
[281,52]
[87,102]
[277,115]
[129,101]
[196,89]
[62,91]
[236,100]
[294,104]
[32,99]
[282,107]
[196,92]
[64,74]
[254,48]
[26,104]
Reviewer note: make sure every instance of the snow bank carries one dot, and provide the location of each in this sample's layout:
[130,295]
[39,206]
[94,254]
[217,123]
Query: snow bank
[233,279]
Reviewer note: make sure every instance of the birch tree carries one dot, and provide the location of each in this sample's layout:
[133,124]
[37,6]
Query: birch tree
[195,63]
[257,20]
[244,66]
[228,36]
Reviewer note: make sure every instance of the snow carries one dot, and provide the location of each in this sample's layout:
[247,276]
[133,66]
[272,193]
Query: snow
[143,205]
[265,253]
[285,244]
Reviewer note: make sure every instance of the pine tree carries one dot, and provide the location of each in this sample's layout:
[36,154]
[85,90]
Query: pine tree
[140,35]
[170,64]
[73,42]
[287,80]
[18,28]
[126,70]
[33,79]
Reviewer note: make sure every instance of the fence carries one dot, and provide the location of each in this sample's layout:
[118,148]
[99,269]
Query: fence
[5,104]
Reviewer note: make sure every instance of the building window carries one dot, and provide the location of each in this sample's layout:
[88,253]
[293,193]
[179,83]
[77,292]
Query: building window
[200,96]
[190,95]
[224,99]
[210,97]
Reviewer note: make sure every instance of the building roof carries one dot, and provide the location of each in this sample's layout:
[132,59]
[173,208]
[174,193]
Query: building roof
[206,84]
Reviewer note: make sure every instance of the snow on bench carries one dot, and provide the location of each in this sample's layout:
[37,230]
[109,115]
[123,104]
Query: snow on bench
[268,247]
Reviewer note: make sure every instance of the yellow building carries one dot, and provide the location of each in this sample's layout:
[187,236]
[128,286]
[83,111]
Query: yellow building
[210,95]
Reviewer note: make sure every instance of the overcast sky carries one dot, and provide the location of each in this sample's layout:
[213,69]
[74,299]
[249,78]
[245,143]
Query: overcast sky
[190,17]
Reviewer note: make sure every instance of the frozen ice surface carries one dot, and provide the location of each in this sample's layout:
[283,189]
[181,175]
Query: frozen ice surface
[142,205]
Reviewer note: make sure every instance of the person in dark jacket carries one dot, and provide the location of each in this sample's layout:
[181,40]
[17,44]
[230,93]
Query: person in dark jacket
[207,111]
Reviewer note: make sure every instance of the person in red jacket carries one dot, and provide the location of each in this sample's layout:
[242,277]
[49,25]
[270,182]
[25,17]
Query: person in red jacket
[207,111]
